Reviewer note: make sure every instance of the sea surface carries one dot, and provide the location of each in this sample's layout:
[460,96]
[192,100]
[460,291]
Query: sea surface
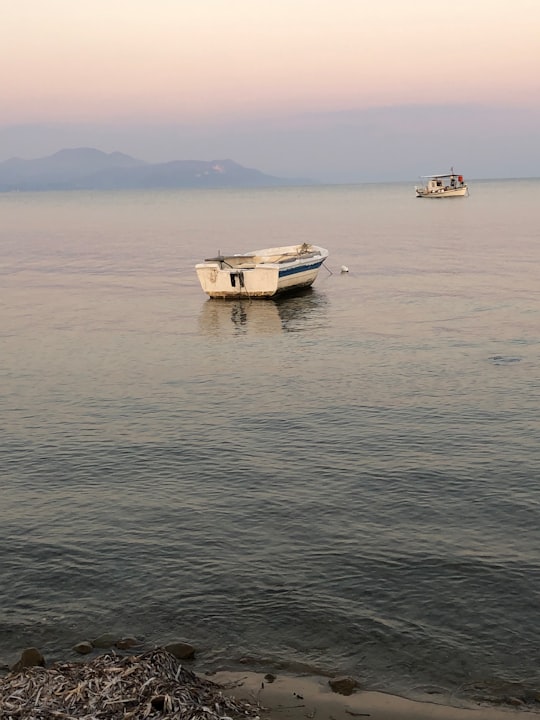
[346,481]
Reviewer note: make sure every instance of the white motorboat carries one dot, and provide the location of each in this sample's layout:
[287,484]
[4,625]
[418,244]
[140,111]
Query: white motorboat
[441,186]
[261,273]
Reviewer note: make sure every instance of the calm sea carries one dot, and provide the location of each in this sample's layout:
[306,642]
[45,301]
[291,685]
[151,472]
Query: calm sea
[346,481]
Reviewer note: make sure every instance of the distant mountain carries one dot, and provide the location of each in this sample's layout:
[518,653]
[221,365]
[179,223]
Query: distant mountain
[90,169]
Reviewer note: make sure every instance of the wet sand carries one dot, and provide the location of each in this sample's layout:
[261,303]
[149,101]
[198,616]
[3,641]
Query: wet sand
[311,698]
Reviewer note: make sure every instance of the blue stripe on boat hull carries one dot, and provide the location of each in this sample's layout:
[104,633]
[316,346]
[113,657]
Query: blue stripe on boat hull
[300,269]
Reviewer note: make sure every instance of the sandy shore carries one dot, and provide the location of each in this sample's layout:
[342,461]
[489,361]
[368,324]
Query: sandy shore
[118,686]
[311,698]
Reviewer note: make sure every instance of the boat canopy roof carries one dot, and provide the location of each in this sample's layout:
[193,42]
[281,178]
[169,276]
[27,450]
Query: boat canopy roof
[451,174]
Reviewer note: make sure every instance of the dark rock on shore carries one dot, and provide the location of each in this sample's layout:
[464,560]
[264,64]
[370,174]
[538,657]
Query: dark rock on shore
[106,640]
[31,657]
[344,685]
[126,643]
[181,650]
[83,648]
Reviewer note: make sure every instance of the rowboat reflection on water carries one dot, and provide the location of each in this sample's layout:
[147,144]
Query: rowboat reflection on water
[291,313]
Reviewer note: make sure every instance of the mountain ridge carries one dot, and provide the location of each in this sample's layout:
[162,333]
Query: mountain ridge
[91,169]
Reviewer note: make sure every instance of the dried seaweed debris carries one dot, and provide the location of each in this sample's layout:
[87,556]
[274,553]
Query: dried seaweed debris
[151,685]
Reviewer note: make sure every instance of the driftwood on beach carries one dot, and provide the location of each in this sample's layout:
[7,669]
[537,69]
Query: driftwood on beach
[111,687]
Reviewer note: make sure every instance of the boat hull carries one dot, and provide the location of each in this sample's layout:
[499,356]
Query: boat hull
[442,193]
[253,275]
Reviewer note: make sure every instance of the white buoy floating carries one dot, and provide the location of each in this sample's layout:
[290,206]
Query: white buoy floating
[344,269]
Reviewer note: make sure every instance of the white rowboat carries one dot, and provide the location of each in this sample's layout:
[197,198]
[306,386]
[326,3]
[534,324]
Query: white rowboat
[261,273]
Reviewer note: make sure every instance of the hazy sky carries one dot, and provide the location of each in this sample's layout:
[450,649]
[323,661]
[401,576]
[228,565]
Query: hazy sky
[289,86]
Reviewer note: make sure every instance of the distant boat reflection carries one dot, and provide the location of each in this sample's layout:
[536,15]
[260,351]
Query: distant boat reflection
[292,313]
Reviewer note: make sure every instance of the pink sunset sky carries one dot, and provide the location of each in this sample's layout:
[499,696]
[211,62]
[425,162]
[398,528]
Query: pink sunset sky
[255,79]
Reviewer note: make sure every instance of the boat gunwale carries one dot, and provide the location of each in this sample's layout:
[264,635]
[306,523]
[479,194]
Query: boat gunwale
[256,258]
